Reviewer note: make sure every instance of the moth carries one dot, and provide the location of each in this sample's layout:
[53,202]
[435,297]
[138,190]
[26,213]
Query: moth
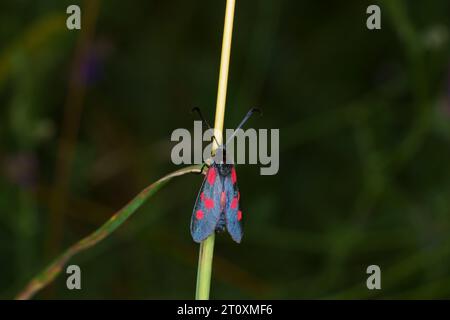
[217,207]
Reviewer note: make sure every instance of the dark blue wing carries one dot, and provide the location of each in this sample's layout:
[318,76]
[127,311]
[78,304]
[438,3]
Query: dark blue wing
[207,206]
[233,214]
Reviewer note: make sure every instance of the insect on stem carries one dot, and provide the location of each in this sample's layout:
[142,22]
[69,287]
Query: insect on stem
[205,261]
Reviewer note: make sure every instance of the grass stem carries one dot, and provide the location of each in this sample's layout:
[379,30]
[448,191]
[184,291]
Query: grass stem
[207,247]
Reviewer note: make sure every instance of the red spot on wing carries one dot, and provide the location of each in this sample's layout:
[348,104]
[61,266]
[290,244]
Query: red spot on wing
[199,214]
[233,175]
[239,215]
[211,176]
[209,203]
[202,196]
[239,196]
[234,203]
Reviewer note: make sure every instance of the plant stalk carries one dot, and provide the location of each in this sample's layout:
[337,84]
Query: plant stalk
[207,246]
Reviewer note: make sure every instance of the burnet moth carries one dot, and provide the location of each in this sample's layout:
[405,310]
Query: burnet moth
[217,206]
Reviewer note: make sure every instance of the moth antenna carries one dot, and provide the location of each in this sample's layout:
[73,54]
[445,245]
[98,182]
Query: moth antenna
[247,116]
[201,116]
[204,121]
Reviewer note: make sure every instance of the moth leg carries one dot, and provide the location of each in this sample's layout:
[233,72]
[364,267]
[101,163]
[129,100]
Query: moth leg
[203,166]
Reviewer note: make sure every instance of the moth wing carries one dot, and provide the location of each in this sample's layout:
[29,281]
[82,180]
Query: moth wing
[206,213]
[233,214]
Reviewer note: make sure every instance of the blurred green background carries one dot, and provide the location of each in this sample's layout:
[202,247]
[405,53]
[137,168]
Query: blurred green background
[364,118]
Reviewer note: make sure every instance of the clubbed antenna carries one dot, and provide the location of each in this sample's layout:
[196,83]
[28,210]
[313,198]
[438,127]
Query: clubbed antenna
[204,121]
[247,116]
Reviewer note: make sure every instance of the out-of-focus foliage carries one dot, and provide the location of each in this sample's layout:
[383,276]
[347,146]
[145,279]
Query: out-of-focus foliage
[364,118]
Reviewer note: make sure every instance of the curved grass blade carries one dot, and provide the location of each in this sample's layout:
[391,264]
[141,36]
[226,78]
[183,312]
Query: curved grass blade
[52,270]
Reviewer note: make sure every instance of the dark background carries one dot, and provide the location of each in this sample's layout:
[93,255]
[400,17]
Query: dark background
[364,118]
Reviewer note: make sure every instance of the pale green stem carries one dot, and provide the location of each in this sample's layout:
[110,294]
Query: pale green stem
[207,246]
